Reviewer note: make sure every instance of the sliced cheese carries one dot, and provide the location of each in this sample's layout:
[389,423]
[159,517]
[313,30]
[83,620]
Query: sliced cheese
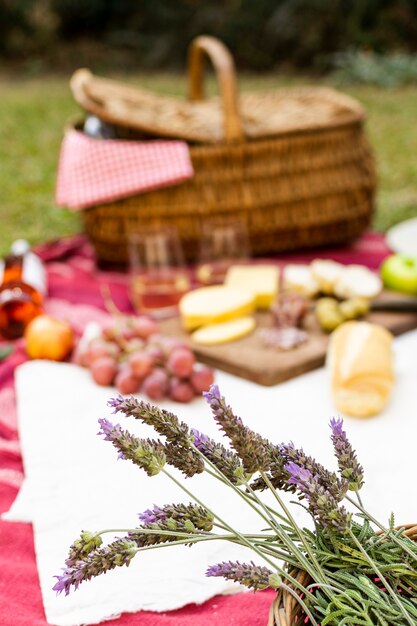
[217,303]
[298,278]
[213,334]
[263,280]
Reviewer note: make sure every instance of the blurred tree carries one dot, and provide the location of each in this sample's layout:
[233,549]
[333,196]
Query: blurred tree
[15,24]
[262,34]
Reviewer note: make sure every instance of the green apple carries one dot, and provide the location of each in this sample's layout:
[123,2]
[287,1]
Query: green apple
[399,273]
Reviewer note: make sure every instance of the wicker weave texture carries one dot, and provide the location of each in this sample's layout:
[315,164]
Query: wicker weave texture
[306,191]
[309,182]
[286,611]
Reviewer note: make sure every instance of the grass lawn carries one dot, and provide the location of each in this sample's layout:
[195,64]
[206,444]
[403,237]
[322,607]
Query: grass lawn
[33,113]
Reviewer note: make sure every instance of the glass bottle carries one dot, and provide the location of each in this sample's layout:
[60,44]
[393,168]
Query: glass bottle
[21,290]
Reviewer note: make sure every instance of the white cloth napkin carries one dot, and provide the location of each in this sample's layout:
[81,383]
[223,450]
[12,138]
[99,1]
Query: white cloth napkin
[74,482]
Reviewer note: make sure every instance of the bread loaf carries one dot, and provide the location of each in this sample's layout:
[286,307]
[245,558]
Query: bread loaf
[360,361]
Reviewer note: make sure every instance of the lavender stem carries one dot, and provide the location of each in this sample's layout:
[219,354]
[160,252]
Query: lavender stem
[382,578]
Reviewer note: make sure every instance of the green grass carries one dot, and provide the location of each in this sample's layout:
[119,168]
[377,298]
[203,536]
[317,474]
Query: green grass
[33,114]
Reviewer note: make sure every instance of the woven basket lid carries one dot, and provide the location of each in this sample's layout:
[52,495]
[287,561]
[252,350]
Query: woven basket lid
[227,118]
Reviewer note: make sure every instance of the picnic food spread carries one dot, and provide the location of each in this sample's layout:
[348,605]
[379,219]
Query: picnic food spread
[267,322]
[289,308]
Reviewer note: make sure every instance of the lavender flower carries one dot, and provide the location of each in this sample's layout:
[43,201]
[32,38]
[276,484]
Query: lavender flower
[322,502]
[287,453]
[94,561]
[86,543]
[200,517]
[146,453]
[100,561]
[225,460]
[184,458]
[253,449]
[247,574]
[178,450]
[179,525]
[328,480]
[164,422]
[349,467]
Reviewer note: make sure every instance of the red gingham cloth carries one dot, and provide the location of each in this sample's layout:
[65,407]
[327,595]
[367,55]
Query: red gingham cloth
[74,286]
[93,171]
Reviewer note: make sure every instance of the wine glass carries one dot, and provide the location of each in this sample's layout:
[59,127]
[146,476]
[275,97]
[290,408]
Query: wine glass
[159,277]
[223,241]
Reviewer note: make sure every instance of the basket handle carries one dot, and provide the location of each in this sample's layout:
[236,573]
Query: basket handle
[224,67]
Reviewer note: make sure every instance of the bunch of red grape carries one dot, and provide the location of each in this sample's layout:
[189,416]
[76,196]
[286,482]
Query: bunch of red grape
[133,355]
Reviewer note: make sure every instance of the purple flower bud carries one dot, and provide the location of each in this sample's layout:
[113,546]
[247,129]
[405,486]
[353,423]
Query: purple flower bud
[349,467]
[178,449]
[152,515]
[97,562]
[322,502]
[253,450]
[225,460]
[146,453]
[86,543]
[197,515]
[247,574]
[213,393]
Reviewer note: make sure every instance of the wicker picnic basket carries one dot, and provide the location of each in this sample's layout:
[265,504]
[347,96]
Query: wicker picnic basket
[293,163]
[286,611]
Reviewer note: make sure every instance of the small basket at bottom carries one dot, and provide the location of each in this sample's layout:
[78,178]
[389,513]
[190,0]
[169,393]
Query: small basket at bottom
[286,611]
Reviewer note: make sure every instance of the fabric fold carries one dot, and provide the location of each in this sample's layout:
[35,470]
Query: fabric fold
[94,171]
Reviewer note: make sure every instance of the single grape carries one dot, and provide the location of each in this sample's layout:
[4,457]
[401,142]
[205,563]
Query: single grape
[126,382]
[144,327]
[156,384]
[180,390]
[172,343]
[180,362]
[141,364]
[202,378]
[155,353]
[104,370]
[98,348]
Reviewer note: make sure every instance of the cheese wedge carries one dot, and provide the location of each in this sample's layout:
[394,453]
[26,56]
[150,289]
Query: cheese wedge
[213,334]
[217,303]
[263,280]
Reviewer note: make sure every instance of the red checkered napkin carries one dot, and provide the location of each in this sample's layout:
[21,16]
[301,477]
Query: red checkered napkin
[93,171]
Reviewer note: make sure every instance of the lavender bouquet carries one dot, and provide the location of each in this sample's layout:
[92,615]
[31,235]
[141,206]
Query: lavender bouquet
[357,570]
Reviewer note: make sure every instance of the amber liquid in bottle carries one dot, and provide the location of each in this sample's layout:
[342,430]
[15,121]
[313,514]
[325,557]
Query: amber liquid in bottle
[19,302]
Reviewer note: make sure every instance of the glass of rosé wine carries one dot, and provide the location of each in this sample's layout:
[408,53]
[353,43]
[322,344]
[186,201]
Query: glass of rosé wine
[158,275]
[224,241]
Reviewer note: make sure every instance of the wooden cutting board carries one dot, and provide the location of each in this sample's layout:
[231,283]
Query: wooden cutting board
[250,359]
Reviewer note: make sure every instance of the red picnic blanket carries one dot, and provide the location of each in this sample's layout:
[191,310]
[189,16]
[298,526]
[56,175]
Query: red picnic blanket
[74,291]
